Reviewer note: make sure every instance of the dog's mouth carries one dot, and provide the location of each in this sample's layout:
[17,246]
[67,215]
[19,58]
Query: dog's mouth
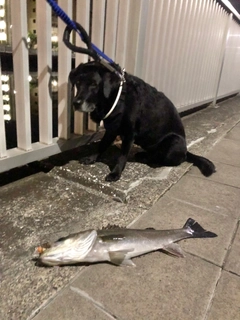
[84,106]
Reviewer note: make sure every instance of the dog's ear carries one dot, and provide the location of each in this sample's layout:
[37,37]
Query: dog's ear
[107,86]
[74,73]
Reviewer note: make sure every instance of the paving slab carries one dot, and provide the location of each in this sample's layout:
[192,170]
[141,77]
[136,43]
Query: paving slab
[134,175]
[71,306]
[225,174]
[93,176]
[29,287]
[208,195]
[226,301]
[233,262]
[159,287]
[226,151]
[205,128]
[145,192]
[170,213]
[234,134]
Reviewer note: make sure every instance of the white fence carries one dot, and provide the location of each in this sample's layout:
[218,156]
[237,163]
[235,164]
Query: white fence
[189,49]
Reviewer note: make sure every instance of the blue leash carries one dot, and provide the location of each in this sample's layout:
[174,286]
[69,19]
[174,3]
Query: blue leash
[91,50]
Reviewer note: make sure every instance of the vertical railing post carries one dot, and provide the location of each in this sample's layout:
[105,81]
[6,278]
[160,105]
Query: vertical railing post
[3,152]
[221,63]
[82,16]
[21,72]
[64,67]
[98,22]
[44,48]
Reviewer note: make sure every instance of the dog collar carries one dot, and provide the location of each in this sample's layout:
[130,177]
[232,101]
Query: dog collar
[116,100]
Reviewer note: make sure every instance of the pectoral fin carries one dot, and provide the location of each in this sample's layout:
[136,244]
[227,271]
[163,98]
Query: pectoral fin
[128,263]
[119,258]
[174,249]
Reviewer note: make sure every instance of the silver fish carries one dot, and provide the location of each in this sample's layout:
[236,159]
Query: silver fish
[117,245]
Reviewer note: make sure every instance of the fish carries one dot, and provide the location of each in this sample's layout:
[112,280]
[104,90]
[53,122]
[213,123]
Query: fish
[117,245]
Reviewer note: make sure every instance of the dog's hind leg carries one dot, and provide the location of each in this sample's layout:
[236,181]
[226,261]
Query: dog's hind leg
[171,151]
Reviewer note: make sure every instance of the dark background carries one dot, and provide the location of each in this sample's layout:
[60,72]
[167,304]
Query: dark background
[236,4]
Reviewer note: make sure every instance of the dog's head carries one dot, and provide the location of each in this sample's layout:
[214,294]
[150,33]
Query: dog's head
[93,84]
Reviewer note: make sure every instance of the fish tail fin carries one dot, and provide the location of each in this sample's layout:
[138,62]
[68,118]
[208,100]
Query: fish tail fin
[196,231]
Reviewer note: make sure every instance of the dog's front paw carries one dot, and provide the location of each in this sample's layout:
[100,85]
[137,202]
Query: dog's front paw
[112,176]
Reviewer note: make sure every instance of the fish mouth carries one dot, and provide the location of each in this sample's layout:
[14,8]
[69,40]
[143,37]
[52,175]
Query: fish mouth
[67,251]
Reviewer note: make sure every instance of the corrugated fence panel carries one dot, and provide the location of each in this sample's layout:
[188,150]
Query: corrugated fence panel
[175,47]
[149,50]
[111,28]
[183,49]
[21,73]
[230,79]
[133,35]
[139,60]
[122,30]
[181,52]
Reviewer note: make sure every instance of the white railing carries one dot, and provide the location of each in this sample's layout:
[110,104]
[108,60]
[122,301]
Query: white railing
[189,49]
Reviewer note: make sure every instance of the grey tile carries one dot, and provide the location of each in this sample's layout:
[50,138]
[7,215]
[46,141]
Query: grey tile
[226,151]
[69,305]
[159,287]
[233,261]
[208,195]
[226,174]
[27,287]
[169,213]
[93,176]
[234,134]
[226,301]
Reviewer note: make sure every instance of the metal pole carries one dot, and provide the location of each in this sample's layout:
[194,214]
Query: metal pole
[224,45]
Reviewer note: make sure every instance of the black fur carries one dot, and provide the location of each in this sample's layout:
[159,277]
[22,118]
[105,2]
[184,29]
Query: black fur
[143,116]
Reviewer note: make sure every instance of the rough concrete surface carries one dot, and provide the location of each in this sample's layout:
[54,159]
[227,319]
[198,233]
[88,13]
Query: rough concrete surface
[45,201]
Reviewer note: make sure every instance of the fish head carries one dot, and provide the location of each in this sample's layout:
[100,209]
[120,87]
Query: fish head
[69,250]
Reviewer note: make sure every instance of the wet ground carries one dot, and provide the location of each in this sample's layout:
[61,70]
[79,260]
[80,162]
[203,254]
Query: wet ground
[44,201]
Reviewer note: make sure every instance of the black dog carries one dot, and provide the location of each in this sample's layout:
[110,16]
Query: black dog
[143,116]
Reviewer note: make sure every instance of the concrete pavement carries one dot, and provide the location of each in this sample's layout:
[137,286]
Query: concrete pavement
[66,197]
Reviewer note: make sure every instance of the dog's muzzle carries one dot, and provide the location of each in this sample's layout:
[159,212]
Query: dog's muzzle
[83,106]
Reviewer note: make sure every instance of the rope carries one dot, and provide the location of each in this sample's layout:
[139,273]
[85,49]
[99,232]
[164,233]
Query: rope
[65,18]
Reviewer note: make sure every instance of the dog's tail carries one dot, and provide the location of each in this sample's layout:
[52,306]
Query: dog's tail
[204,165]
